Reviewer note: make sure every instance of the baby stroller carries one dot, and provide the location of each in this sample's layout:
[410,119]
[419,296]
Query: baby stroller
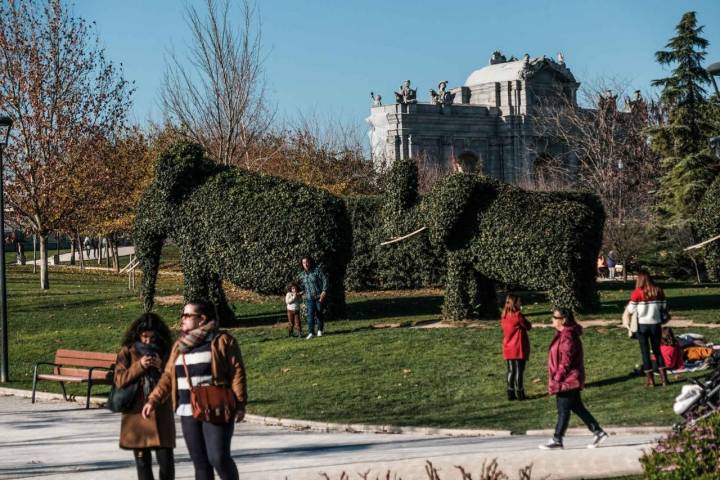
[700,398]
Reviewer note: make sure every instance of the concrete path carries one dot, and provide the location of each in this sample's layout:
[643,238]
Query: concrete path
[60,440]
[65,257]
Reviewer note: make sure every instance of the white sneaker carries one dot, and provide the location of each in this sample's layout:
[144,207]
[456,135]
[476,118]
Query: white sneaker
[598,438]
[310,335]
[319,333]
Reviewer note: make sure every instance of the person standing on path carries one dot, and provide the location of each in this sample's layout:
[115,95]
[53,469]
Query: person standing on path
[648,301]
[566,377]
[611,263]
[516,346]
[209,356]
[315,287]
[145,349]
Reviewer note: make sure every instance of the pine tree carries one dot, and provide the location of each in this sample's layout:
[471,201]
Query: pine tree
[682,140]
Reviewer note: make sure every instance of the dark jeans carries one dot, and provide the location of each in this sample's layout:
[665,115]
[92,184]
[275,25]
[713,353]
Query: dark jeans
[515,372]
[209,447]
[314,310]
[650,334]
[165,460]
[570,401]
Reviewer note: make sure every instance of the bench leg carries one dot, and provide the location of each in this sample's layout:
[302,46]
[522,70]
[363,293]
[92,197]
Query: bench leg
[62,386]
[87,401]
[34,384]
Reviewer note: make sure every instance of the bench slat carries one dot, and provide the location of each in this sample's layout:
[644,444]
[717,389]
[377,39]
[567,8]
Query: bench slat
[81,372]
[61,378]
[84,362]
[104,356]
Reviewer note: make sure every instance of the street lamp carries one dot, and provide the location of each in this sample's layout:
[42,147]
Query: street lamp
[5,126]
[714,71]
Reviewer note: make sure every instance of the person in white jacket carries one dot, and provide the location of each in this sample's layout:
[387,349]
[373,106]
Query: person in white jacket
[293,300]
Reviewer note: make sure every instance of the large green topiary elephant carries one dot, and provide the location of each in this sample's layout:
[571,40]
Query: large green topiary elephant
[494,232]
[243,227]
[708,226]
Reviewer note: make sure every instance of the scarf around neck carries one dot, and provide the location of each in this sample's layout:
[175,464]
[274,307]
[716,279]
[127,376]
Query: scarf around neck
[197,337]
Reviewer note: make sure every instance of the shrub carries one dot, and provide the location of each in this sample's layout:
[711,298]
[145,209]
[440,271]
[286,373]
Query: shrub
[495,232]
[689,454]
[235,225]
[708,226]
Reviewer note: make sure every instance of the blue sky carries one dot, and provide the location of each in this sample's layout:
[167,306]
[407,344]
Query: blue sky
[325,56]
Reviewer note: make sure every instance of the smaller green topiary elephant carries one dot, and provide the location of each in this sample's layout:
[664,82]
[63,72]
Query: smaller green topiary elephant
[494,232]
[708,227]
[243,227]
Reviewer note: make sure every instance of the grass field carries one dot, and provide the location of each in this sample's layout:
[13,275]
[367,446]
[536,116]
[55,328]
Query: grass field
[450,377]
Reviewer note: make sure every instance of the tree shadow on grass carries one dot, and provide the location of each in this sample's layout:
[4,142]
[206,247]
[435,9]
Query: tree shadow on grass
[394,307]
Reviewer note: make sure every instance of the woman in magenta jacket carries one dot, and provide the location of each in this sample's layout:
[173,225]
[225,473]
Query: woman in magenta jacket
[566,377]
[516,346]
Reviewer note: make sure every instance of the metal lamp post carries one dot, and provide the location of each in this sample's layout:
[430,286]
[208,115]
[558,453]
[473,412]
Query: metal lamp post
[5,126]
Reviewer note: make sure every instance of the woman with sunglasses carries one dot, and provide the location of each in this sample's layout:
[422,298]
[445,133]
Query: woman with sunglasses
[209,357]
[145,349]
[566,377]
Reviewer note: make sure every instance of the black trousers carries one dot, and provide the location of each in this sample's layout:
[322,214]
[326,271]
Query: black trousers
[209,447]
[515,373]
[165,460]
[570,401]
[650,334]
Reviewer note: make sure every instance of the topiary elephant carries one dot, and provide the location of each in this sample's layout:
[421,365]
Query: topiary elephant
[494,232]
[707,221]
[235,225]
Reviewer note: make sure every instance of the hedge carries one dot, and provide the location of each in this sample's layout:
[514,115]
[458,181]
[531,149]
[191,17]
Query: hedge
[691,453]
[708,226]
[240,226]
[496,232]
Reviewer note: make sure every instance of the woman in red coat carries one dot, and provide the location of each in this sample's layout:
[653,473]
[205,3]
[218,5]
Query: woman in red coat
[516,346]
[566,377]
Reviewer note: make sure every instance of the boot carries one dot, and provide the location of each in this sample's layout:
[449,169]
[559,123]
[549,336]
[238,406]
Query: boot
[511,395]
[663,377]
[520,394]
[649,379]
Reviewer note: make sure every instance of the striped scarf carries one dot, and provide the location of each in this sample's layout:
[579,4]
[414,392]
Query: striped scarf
[196,337]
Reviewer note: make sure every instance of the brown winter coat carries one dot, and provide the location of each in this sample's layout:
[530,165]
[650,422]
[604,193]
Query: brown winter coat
[157,431]
[227,369]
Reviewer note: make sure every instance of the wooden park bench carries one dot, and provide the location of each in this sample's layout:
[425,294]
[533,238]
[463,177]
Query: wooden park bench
[77,366]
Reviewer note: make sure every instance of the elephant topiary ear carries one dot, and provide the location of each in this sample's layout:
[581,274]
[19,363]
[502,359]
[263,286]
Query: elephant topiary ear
[453,206]
[180,168]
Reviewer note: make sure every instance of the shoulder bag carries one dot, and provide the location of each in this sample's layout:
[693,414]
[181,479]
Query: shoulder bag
[211,403]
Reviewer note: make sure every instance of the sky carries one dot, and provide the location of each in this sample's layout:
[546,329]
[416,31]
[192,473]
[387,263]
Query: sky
[323,57]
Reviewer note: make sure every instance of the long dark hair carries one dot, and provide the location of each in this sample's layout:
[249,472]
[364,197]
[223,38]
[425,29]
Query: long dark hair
[645,282]
[568,316]
[145,323]
[512,304]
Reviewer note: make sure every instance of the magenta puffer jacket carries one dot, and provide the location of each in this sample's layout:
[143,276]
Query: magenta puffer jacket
[566,370]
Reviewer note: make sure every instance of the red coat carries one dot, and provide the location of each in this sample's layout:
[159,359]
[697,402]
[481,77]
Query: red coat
[566,369]
[516,344]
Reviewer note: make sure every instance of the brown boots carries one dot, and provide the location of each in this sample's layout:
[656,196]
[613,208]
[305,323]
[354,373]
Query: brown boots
[650,378]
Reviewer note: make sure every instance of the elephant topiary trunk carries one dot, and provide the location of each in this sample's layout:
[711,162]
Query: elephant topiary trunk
[233,225]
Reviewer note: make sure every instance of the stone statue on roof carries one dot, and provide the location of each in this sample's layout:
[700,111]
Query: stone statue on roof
[497,57]
[442,96]
[406,94]
[376,99]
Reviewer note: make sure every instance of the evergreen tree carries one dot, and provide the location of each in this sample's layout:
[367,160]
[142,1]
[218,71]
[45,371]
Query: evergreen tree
[681,139]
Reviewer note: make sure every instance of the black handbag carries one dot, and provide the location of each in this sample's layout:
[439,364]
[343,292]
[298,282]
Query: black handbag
[122,399]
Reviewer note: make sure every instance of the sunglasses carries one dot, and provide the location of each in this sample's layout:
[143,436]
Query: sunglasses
[558,318]
[188,315]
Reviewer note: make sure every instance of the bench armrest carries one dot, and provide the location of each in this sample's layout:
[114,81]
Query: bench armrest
[91,369]
[51,364]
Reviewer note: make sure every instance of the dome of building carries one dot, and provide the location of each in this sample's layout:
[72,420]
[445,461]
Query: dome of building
[499,72]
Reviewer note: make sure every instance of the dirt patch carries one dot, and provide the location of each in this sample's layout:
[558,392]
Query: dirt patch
[170,300]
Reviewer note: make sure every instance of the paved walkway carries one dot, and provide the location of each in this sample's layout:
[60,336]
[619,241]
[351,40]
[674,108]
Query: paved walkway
[60,440]
[65,257]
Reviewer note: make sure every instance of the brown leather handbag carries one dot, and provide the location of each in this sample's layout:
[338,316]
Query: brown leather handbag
[211,403]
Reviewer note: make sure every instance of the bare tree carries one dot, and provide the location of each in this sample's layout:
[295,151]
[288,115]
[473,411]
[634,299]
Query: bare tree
[63,94]
[217,92]
[604,150]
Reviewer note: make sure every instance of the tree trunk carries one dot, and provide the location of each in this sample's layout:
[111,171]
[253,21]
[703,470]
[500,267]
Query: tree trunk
[72,251]
[57,244]
[34,253]
[100,251]
[107,253]
[115,256]
[81,252]
[697,270]
[44,280]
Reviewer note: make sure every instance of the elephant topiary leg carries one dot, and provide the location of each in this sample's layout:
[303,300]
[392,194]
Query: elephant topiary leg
[457,304]
[484,297]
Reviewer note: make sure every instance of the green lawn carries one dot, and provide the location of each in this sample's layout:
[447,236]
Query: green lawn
[450,377]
